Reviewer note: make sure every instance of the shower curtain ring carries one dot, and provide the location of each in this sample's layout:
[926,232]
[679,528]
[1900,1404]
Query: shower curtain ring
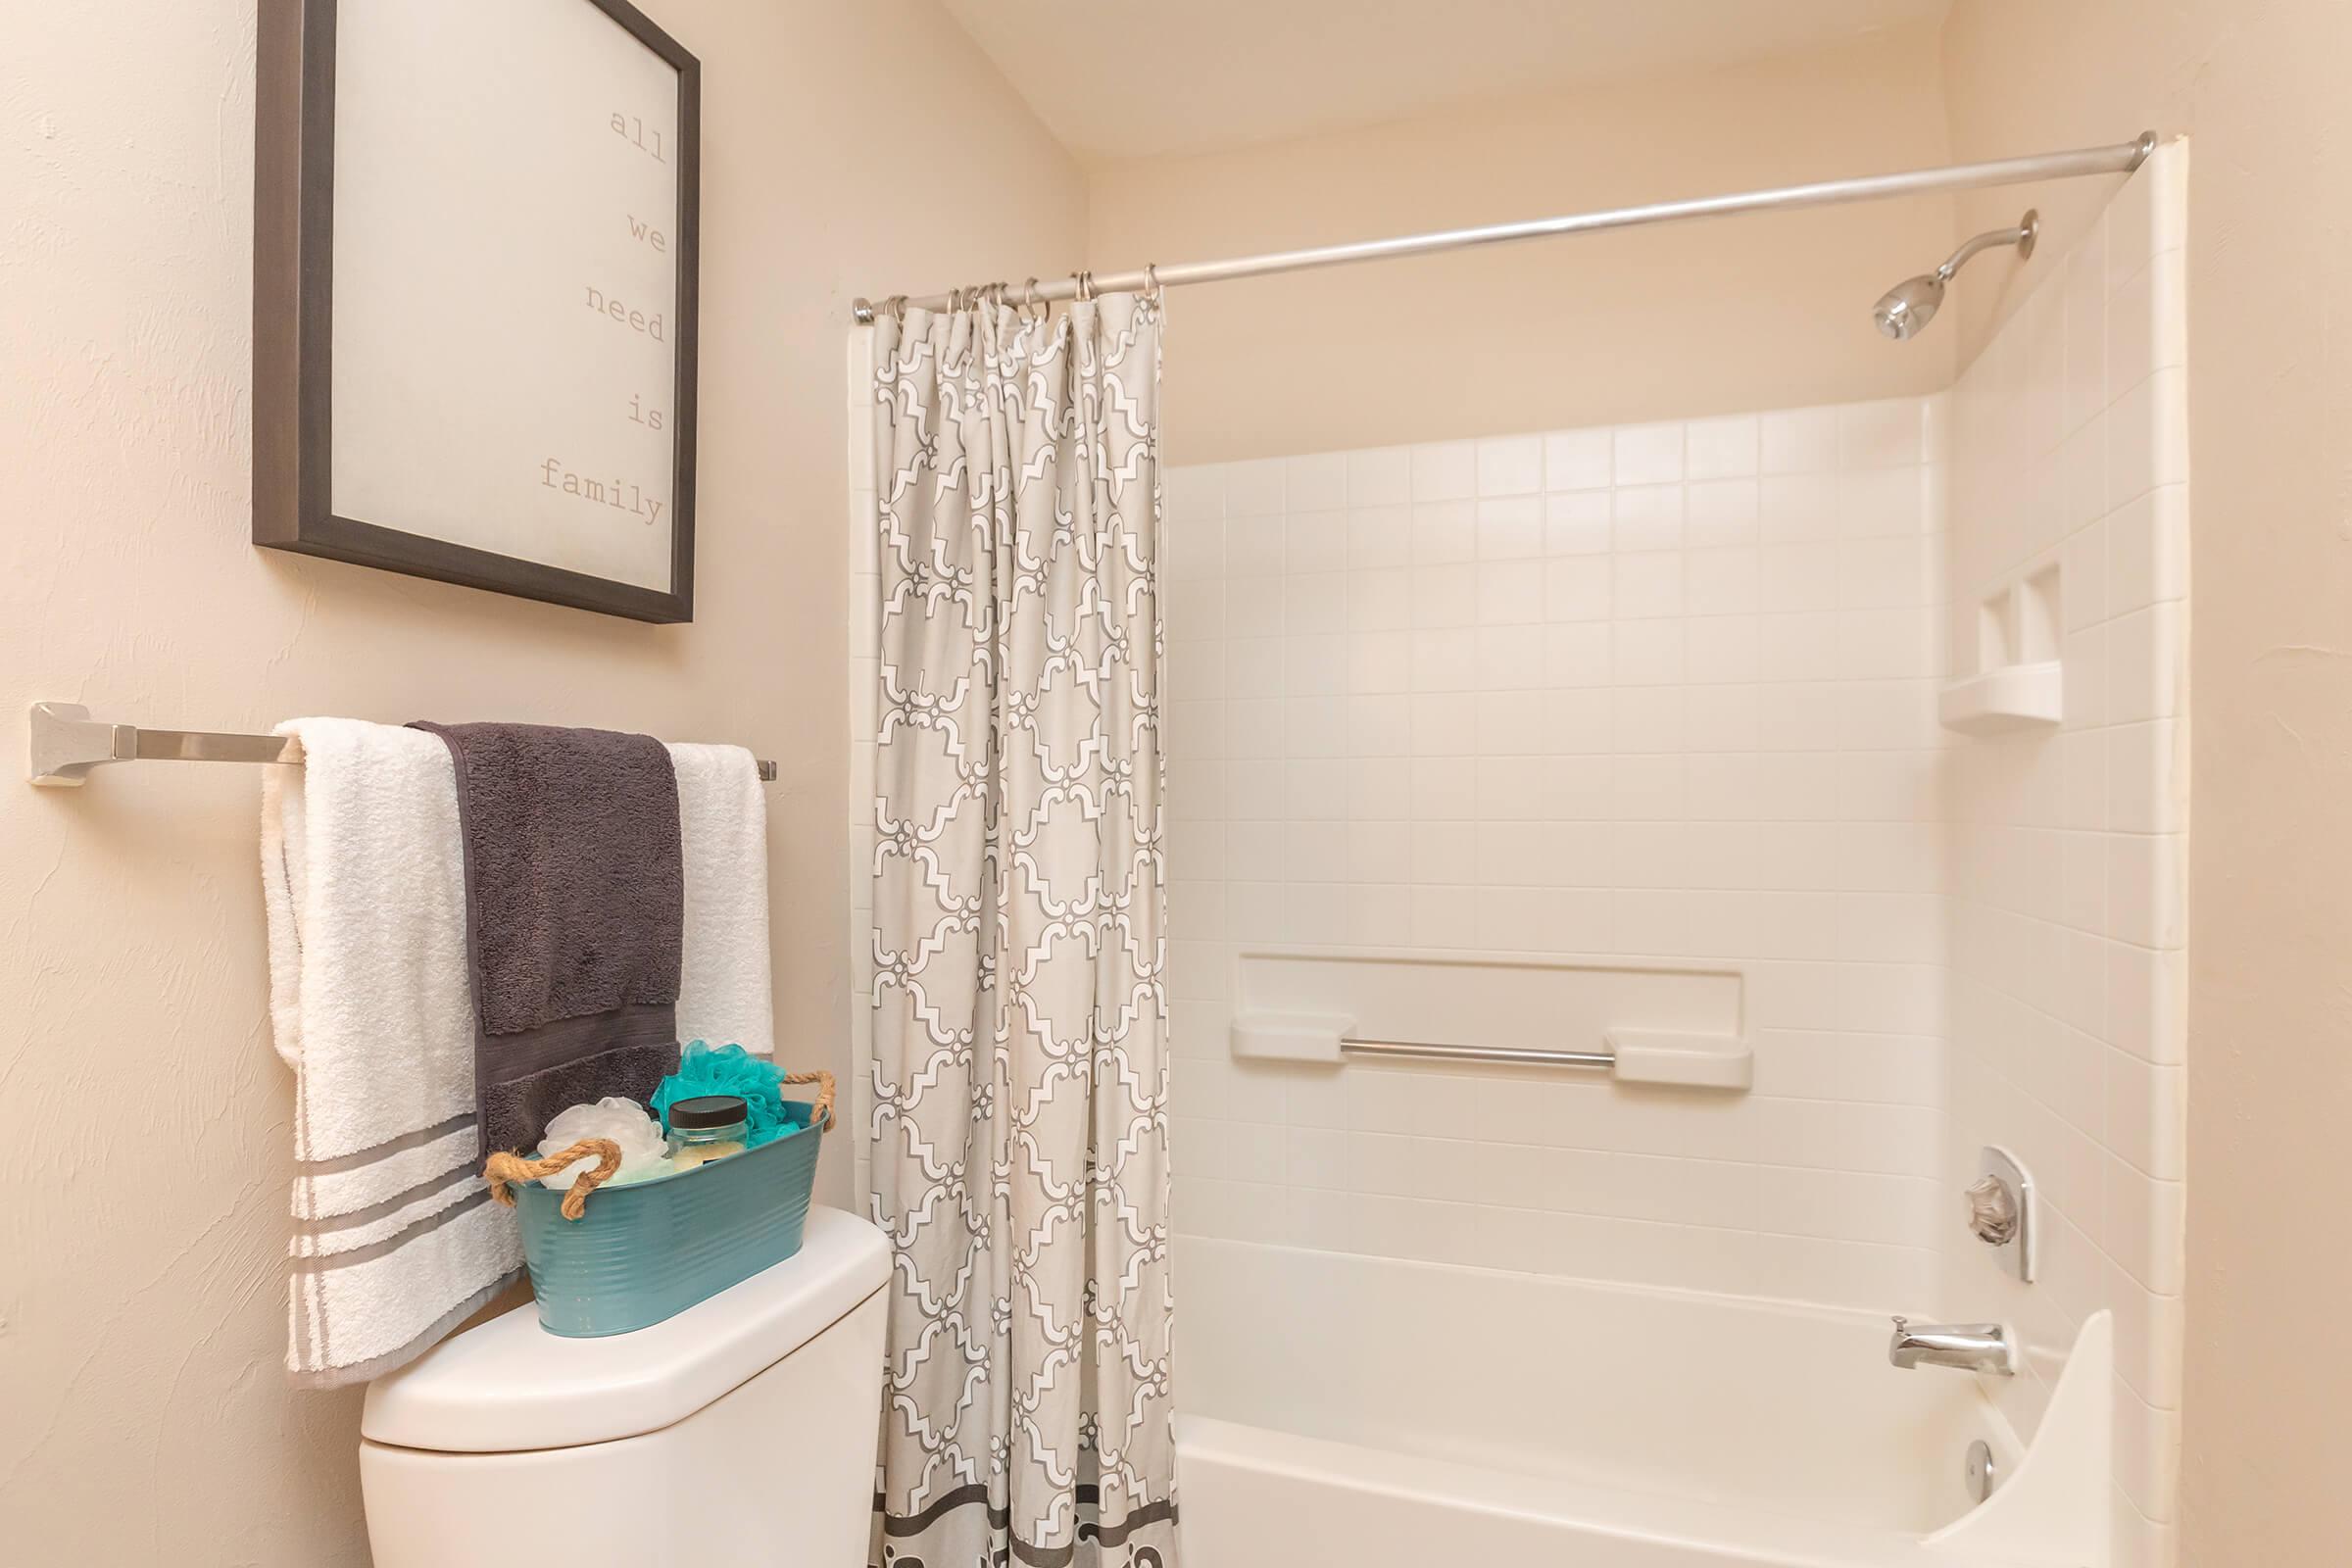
[1151,283]
[896,304]
[1085,284]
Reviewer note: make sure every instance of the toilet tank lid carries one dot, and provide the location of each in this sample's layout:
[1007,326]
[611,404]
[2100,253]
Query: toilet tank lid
[508,1385]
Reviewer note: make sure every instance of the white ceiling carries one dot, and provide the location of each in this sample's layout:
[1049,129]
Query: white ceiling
[1130,79]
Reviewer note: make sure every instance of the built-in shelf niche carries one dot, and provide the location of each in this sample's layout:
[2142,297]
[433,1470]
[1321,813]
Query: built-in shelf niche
[2019,676]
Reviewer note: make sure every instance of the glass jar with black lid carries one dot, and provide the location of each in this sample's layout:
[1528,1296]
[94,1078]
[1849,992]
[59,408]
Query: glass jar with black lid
[705,1128]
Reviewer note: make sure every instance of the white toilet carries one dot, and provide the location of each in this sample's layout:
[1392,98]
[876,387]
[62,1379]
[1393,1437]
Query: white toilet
[740,1430]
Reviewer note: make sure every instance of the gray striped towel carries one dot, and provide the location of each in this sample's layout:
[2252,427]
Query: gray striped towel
[395,1240]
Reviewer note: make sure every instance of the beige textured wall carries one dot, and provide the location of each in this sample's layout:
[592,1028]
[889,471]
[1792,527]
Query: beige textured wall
[1767,310]
[2258,85]
[145,1151]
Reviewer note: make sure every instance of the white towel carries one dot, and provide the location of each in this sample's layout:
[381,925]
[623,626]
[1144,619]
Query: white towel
[723,995]
[395,1242]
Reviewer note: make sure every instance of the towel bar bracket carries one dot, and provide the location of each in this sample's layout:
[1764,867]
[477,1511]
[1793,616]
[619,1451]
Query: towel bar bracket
[65,743]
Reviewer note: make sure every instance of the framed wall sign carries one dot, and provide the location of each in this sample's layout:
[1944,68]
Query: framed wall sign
[474,295]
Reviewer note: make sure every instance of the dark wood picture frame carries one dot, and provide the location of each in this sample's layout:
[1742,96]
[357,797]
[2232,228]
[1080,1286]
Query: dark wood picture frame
[293,305]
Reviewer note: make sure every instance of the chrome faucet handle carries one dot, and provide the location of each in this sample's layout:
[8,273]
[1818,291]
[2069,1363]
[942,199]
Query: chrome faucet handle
[1991,1210]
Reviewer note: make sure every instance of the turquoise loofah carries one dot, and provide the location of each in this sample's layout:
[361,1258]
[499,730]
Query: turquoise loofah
[731,1070]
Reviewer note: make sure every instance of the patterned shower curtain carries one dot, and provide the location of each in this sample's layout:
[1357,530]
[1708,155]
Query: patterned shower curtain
[1020,1005]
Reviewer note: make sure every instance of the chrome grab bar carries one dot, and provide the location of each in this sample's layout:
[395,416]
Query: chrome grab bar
[1508,1055]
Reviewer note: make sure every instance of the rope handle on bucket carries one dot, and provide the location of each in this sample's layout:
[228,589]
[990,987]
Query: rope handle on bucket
[824,1095]
[503,1168]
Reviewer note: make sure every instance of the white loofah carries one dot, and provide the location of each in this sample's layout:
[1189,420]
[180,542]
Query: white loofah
[643,1149]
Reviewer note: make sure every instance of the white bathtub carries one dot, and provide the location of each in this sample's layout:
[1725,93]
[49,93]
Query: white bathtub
[1337,1408]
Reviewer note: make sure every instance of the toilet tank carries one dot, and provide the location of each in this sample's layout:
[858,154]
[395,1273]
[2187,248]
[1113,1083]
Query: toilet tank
[740,1431]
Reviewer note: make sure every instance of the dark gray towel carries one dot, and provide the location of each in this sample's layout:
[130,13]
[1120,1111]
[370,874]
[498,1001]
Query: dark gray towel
[574,913]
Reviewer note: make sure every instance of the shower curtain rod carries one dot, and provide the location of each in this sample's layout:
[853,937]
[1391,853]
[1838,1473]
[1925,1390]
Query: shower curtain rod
[2119,159]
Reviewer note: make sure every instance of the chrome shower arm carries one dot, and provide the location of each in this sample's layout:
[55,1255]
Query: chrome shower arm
[2021,236]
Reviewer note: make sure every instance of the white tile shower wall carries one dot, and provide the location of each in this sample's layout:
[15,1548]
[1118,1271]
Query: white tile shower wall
[2069,448]
[1658,693]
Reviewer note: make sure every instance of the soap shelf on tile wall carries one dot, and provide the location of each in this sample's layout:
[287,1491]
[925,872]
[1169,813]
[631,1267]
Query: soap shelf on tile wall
[2019,679]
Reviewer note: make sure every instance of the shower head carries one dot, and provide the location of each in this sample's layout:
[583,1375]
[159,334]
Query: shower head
[1908,307]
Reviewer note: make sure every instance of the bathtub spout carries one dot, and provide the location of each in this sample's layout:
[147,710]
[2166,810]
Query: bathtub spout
[1970,1346]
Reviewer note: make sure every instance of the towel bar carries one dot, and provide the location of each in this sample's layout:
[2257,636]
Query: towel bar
[67,743]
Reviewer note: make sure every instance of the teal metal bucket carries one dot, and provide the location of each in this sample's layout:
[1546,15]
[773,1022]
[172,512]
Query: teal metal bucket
[651,1250]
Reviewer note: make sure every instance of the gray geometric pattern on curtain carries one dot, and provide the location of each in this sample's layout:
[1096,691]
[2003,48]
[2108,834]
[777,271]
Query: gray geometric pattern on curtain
[1020,1002]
